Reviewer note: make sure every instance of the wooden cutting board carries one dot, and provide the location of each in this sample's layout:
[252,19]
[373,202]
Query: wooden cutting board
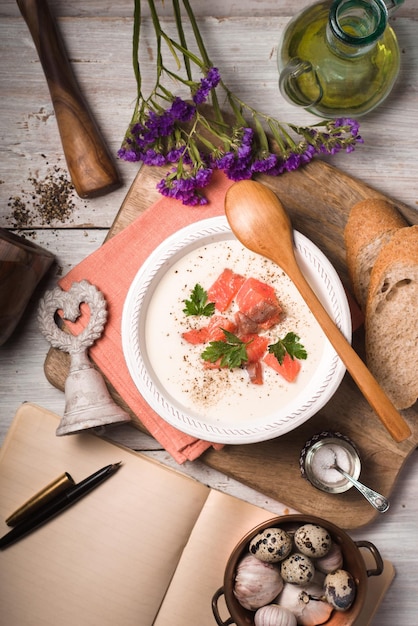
[318,198]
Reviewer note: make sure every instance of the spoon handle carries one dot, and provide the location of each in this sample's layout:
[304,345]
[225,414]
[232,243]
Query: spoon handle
[376,499]
[89,161]
[368,385]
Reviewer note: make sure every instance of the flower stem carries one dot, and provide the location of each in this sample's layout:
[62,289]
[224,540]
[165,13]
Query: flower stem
[205,57]
[167,130]
[182,37]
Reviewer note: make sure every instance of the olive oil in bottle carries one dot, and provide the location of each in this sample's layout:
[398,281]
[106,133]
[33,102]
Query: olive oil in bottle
[339,58]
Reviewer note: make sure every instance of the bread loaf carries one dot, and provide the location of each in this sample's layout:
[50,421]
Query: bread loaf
[392,318]
[370,225]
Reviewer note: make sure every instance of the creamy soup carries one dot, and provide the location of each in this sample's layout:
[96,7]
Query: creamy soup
[224,395]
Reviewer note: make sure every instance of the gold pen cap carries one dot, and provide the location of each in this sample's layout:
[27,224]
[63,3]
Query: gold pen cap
[45,495]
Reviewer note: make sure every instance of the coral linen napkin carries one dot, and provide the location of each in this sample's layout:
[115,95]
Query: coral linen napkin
[111,269]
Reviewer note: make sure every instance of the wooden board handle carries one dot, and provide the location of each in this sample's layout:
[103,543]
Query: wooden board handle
[89,162]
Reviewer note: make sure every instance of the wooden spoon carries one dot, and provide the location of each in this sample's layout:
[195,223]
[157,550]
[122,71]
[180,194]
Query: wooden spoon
[89,161]
[260,222]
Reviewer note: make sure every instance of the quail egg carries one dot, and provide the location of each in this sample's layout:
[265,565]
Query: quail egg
[271,545]
[297,569]
[340,589]
[312,540]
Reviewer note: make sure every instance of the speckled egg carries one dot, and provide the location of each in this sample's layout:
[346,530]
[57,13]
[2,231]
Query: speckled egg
[340,589]
[297,569]
[313,540]
[271,545]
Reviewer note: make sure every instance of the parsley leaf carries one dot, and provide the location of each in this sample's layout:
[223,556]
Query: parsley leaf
[290,344]
[232,352]
[198,303]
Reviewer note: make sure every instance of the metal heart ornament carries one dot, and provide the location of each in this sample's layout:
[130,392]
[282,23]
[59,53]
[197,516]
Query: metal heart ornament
[87,401]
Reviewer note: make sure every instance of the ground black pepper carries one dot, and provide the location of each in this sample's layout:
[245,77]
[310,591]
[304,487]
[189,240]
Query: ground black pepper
[50,201]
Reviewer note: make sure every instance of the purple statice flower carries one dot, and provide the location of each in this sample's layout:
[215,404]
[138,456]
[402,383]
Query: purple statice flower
[203,177]
[126,154]
[265,164]
[139,145]
[292,162]
[239,171]
[350,127]
[186,188]
[237,162]
[175,154]
[225,161]
[158,125]
[308,153]
[210,81]
[181,111]
[152,157]
[353,125]
[304,154]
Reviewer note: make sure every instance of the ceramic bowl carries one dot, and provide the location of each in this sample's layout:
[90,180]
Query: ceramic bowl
[353,562]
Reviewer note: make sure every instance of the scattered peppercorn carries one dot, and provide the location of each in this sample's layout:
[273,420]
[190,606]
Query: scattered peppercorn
[50,201]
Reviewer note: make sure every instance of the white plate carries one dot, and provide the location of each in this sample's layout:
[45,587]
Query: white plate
[223,406]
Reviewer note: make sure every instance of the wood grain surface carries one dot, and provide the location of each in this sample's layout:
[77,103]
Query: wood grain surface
[318,198]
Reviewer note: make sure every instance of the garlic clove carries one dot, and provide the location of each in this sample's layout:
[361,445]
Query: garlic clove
[256,583]
[274,615]
[305,603]
[331,561]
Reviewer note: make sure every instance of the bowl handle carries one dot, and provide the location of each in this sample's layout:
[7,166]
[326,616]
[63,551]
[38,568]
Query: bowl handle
[376,555]
[215,609]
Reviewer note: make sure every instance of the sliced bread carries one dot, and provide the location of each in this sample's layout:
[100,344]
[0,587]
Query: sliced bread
[370,225]
[392,318]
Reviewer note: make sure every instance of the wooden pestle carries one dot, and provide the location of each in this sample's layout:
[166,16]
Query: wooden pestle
[89,161]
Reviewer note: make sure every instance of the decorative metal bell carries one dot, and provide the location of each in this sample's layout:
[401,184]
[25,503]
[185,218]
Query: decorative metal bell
[87,401]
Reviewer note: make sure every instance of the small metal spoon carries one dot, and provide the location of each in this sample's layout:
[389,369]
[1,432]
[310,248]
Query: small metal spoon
[376,499]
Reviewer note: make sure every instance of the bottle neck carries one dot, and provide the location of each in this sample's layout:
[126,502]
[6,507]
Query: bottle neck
[354,26]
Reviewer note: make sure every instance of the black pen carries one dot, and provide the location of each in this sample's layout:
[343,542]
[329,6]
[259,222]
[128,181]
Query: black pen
[59,504]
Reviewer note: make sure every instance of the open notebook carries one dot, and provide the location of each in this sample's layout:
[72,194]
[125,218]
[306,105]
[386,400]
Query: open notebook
[148,547]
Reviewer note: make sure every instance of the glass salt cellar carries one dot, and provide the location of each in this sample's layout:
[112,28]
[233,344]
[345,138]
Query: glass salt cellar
[340,58]
[321,452]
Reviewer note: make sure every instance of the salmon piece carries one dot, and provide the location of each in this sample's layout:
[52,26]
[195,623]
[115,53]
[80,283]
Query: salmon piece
[215,326]
[196,335]
[289,369]
[245,325]
[258,301]
[216,365]
[255,372]
[211,332]
[224,289]
[256,347]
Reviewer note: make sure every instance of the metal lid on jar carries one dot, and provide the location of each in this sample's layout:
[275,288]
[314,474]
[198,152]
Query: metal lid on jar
[320,454]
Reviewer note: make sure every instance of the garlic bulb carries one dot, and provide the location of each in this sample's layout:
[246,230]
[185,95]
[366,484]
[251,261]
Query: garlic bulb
[274,615]
[306,603]
[256,583]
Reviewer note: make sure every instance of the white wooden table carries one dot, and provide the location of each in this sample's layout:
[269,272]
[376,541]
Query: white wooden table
[242,41]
